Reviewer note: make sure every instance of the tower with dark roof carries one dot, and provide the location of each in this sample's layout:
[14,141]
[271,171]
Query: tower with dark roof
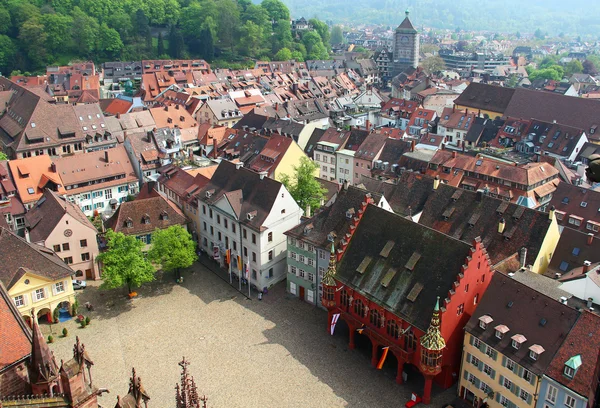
[406,46]
[43,372]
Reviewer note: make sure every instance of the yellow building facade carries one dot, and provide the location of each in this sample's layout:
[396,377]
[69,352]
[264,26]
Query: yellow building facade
[42,294]
[548,246]
[490,377]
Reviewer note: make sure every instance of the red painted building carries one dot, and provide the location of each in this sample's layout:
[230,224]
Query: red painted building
[384,283]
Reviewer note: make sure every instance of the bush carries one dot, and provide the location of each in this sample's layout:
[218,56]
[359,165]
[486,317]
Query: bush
[83,324]
[55,314]
[50,339]
[74,307]
[87,321]
[65,332]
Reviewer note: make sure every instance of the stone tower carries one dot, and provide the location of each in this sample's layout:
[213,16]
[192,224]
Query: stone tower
[406,47]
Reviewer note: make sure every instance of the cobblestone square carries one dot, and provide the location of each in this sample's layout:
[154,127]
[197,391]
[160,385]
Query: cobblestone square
[243,353]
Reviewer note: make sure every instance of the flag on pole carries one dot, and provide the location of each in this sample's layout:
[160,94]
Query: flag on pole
[239,263]
[228,256]
[360,330]
[247,272]
[383,356]
[334,320]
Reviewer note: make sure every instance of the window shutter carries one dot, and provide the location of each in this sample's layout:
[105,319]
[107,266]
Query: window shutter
[529,398]
[477,382]
[511,405]
[483,347]
[471,340]
[465,374]
[502,381]
[468,357]
[515,389]
[54,289]
[497,397]
[480,365]
[25,299]
[494,355]
[520,371]
[503,361]
[532,379]
[33,297]
[493,374]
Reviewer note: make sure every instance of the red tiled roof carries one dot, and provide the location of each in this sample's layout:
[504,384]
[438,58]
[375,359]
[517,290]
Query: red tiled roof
[15,337]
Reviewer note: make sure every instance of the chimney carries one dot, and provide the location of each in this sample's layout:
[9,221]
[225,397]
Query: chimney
[106,156]
[118,115]
[346,184]
[166,108]
[53,169]
[590,303]
[551,213]
[27,237]
[239,165]
[479,196]
[262,174]
[412,146]
[308,213]
[215,148]
[176,106]
[586,266]
[368,125]
[590,238]
[436,182]
[523,257]
[501,226]
[454,155]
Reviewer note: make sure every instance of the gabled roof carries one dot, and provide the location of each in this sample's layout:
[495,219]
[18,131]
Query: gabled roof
[487,97]
[408,196]
[465,215]
[48,212]
[573,249]
[434,268]
[32,175]
[259,193]
[540,319]
[15,336]
[18,256]
[271,154]
[580,349]
[160,213]
[333,218]
[578,201]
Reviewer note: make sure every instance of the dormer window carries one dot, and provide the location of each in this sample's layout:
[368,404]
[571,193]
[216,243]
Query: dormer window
[517,340]
[535,351]
[572,365]
[331,236]
[146,219]
[350,213]
[501,330]
[128,223]
[484,321]
[251,215]
[164,216]
[209,193]
[308,229]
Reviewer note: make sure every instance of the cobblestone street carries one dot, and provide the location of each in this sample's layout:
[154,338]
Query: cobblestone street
[243,353]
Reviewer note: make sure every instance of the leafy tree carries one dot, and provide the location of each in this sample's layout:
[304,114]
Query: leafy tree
[5,22]
[547,73]
[8,51]
[312,39]
[173,248]
[84,31]
[257,15]
[3,156]
[122,23]
[573,67]
[141,23]
[539,34]
[589,67]
[337,36]
[321,28]
[123,263]
[176,43]
[276,10]
[297,55]
[33,39]
[303,186]
[110,41]
[433,64]
[207,49]
[229,21]
[149,45]
[251,38]
[55,27]
[282,35]
[283,54]
[160,47]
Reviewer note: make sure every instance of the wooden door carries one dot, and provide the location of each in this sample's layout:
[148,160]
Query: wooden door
[302,293]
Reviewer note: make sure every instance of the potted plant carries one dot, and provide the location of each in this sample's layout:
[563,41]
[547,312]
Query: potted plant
[50,339]
[65,332]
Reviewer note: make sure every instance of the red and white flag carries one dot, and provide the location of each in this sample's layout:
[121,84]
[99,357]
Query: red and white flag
[247,272]
[334,320]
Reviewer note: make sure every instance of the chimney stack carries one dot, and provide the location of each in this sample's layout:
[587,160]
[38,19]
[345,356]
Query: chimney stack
[412,145]
[118,115]
[586,266]
[436,182]
[346,184]
[551,213]
[590,302]
[368,125]
[215,148]
[501,226]
[308,213]
[523,257]
[454,155]
[106,156]
[590,238]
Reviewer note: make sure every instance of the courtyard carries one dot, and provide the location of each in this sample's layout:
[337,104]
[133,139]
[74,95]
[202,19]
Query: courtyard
[243,353]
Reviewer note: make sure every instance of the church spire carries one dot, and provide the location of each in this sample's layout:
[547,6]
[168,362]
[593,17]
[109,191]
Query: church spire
[433,340]
[44,369]
[328,278]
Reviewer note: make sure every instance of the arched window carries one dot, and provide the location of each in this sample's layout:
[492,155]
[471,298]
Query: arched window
[345,299]
[375,318]
[359,308]
[409,340]
[392,329]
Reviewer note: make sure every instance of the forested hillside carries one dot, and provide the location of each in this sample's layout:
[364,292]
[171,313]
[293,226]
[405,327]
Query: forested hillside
[36,33]
[552,16]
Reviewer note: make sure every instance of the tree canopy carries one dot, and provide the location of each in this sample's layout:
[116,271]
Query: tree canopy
[123,263]
[36,33]
[303,186]
[173,248]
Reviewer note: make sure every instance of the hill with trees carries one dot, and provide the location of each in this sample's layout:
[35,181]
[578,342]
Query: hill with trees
[578,17]
[37,33]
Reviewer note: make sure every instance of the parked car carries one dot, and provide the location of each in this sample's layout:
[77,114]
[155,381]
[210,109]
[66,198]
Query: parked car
[79,284]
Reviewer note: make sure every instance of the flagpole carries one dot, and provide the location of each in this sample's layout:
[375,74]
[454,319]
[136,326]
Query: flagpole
[229,258]
[248,280]
[241,272]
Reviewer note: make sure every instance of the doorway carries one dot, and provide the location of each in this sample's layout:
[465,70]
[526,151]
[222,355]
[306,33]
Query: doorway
[301,293]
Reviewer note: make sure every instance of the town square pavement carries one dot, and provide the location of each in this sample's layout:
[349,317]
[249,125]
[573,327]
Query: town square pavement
[243,352]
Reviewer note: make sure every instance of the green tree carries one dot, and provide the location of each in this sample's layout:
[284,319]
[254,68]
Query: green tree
[321,28]
[282,35]
[539,34]
[297,55]
[337,36]
[141,23]
[207,47]
[160,47]
[173,248]
[283,54]
[573,67]
[3,156]
[303,186]
[251,38]
[176,43]
[5,22]
[276,10]
[314,45]
[84,31]
[433,64]
[123,263]
[229,21]
[589,67]
[110,41]
[8,52]
[55,27]
[33,40]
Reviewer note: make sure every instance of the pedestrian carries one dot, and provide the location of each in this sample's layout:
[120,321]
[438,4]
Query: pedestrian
[259,295]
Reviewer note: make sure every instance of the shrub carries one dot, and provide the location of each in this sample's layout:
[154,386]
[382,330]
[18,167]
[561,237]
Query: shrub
[87,321]
[65,332]
[50,339]
[55,314]
[83,324]
[74,307]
